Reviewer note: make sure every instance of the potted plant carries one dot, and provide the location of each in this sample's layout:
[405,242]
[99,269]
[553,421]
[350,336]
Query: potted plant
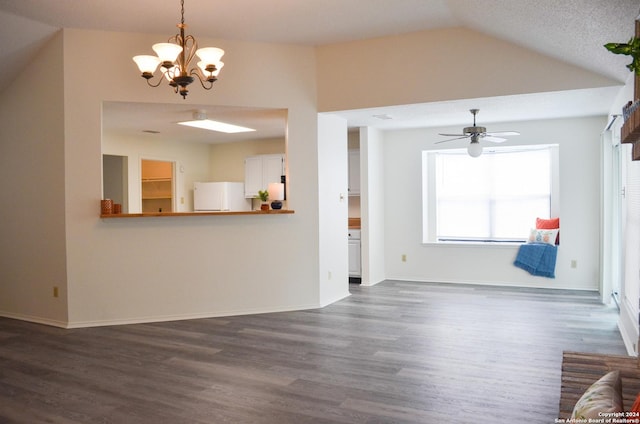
[630,111]
[263,195]
[631,48]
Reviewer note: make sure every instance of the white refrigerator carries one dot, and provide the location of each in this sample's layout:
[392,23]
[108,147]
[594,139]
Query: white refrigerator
[220,196]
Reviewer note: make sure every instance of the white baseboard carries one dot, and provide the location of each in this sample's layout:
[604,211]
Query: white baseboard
[35,319]
[628,326]
[160,318]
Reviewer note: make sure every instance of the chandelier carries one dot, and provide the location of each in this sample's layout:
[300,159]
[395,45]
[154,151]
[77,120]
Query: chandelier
[174,58]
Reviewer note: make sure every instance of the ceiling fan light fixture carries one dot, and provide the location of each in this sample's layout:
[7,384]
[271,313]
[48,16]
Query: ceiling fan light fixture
[474,130]
[474,149]
[475,133]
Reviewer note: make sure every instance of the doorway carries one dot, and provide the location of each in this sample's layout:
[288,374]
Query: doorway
[115,180]
[157,186]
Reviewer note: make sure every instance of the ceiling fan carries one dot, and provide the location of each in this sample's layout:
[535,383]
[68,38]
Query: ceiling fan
[476,133]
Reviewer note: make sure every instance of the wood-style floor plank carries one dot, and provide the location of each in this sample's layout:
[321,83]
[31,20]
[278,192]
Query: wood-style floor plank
[398,352]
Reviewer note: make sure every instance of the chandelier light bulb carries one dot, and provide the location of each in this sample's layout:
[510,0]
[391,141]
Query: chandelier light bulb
[208,71]
[167,53]
[147,64]
[172,73]
[210,55]
[219,66]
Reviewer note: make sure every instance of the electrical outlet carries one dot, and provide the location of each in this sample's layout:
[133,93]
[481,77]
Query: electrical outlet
[574,263]
[404,258]
[330,275]
[55,291]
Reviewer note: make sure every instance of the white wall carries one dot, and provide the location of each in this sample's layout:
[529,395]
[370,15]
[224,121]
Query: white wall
[372,177]
[332,197]
[128,270]
[32,219]
[112,271]
[579,210]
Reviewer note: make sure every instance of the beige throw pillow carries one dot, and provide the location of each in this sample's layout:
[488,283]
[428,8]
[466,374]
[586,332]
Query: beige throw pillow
[605,395]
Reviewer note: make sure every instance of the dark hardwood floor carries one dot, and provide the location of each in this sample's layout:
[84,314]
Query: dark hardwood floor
[397,352]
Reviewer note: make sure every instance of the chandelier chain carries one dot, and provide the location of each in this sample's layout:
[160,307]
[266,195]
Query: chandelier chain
[182,11]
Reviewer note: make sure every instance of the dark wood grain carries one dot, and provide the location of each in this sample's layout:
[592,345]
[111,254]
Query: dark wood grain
[580,370]
[398,352]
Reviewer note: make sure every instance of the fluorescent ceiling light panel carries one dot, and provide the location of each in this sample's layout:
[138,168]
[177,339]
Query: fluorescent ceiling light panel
[210,125]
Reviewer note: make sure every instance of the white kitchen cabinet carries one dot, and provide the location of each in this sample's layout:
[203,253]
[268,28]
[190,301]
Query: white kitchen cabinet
[355,261]
[261,170]
[354,173]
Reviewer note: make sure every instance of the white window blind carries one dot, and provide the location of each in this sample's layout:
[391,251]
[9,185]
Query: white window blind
[495,197]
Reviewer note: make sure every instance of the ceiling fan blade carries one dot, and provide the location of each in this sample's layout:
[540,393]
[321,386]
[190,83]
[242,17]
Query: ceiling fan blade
[503,133]
[494,139]
[451,139]
[453,135]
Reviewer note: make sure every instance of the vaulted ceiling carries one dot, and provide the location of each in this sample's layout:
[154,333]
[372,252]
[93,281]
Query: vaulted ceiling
[573,31]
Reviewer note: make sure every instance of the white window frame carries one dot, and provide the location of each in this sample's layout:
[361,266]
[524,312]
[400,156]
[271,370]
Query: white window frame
[429,215]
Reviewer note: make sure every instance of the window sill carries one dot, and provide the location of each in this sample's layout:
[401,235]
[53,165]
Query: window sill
[475,244]
[174,214]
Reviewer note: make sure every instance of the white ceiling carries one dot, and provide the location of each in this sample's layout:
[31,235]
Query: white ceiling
[155,121]
[538,25]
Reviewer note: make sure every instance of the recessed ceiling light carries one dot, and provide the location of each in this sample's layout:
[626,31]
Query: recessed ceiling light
[210,125]
[383,116]
[151,131]
[200,121]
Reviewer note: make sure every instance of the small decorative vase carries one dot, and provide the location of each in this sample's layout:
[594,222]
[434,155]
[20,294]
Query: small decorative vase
[276,204]
[264,207]
[106,206]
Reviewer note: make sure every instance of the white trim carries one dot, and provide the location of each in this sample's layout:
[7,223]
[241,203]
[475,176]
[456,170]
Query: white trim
[34,319]
[164,318]
[429,200]
[557,285]
[627,324]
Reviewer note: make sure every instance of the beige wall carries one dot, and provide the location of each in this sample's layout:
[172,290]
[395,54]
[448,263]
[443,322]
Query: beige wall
[32,221]
[159,268]
[227,159]
[191,158]
[111,271]
[195,162]
[437,65]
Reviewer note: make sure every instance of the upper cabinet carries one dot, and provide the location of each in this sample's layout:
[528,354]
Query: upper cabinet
[354,173]
[261,170]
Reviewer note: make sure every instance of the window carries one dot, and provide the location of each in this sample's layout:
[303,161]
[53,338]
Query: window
[493,198]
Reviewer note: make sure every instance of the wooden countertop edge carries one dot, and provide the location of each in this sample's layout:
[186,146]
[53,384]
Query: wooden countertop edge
[173,214]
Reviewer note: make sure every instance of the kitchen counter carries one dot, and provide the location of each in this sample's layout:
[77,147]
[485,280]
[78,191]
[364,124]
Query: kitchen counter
[170,214]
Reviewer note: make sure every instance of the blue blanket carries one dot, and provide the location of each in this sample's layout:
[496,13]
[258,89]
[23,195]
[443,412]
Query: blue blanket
[537,259]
